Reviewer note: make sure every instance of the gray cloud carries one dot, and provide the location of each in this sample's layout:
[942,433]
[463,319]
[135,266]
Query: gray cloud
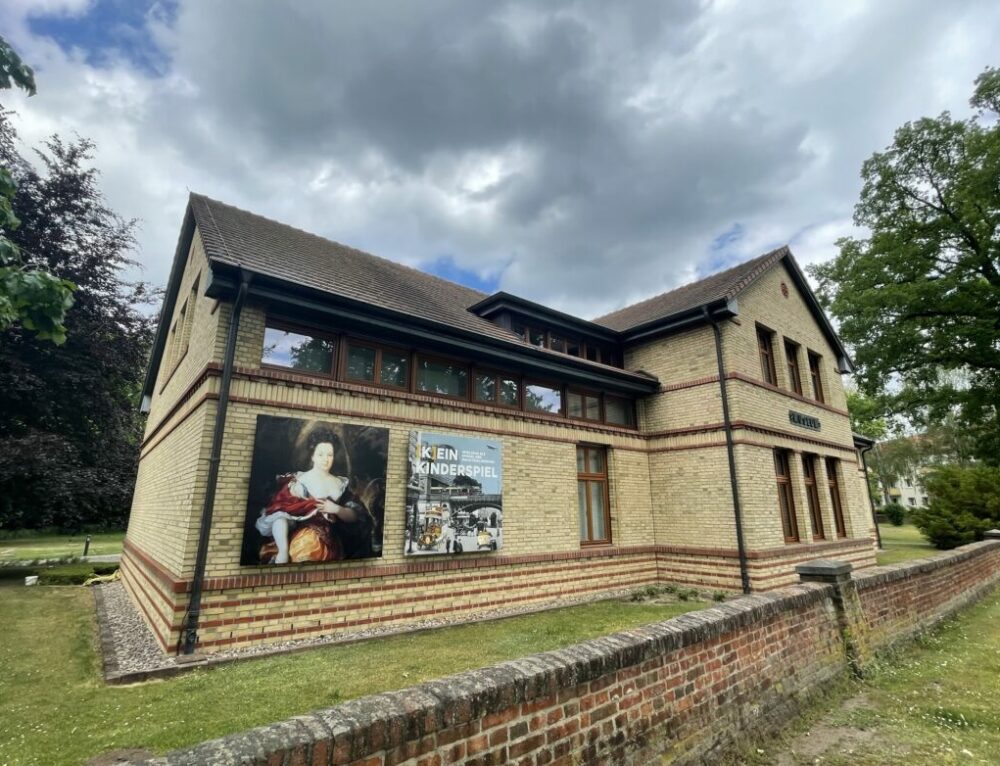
[589,152]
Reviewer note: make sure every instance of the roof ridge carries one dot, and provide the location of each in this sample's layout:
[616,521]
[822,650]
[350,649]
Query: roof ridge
[765,262]
[209,201]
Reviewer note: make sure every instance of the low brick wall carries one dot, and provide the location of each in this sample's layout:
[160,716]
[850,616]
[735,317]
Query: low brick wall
[685,689]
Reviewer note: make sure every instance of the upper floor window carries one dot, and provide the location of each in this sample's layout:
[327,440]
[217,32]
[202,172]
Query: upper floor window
[792,355]
[541,398]
[496,389]
[815,377]
[619,411]
[374,364]
[765,347]
[443,377]
[297,349]
[581,405]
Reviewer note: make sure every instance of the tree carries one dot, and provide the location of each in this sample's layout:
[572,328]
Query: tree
[919,298]
[33,297]
[965,503]
[69,425]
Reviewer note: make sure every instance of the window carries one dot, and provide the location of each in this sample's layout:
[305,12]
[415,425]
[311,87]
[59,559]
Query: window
[542,398]
[438,376]
[913,501]
[583,406]
[817,382]
[838,509]
[374,364]
[496,389]
[812,495]
[592,494]
[792,355]
[766,349]
[618,412]
[786,503]
[297,350]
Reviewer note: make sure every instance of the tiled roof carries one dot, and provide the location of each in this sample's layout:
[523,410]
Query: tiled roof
[241,238]
[722,286]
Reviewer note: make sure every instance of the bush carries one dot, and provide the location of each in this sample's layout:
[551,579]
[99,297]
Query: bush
[895,513]
[59,574]
[965,503]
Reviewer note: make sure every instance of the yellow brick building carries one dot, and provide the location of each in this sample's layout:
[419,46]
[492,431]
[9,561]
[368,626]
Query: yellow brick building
[699,437]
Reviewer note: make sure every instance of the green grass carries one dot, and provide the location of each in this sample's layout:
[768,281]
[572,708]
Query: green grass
[932,703]
[902,544]
[55,709]
[56,574]
[51,546]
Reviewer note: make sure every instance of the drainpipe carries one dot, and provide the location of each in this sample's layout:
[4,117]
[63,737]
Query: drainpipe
[190,633]
[737,511]
[871,501]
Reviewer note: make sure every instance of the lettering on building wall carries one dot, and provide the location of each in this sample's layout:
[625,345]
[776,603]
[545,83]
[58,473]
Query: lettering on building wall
[806,421]
[454,500]
[317,492]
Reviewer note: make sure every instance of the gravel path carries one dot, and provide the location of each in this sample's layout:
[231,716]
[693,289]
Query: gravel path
[129,647]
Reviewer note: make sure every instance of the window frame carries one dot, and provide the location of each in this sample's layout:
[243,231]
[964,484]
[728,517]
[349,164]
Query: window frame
[526,381]
[349,340]
[498,375]
[283,325]
[584,393]
[418,355]
[792,362]
[589,478]
[833,483]
[629,407]
[815,375]
[812,496]
[786,509]
[765,352]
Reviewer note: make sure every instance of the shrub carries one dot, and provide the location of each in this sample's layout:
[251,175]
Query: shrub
[895,513]
[965,503]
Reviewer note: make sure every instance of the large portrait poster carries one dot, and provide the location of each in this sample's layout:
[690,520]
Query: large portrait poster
[454,498]
[317,492]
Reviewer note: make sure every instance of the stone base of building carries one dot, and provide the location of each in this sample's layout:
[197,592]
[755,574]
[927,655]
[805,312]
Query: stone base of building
[274,607]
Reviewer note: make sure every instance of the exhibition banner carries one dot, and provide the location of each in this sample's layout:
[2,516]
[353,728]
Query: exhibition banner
[317,492]
[454,500]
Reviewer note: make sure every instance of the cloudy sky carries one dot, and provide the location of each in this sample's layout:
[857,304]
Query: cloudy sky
[582,154]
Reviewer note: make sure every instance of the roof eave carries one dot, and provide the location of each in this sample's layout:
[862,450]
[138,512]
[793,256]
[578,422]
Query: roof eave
[167,309]
[359,316]
[844,362]
[501,301]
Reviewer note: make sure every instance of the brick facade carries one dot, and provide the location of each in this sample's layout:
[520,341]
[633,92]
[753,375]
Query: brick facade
[671,506]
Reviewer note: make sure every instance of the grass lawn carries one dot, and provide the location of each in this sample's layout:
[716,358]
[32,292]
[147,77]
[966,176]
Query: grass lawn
[902,544]
[50,546]
[934,703]
[55,709]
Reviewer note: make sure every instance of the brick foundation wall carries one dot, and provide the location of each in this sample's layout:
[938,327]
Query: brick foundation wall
[682,691]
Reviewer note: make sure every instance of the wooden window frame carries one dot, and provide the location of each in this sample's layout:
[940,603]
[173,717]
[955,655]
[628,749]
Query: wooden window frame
[546,384]
[583,392]
[630,406]
[496,388]
[378,348]
[812,496]
[816,376]
[589,478]
[835,497]
[302,329]
[418,356]
[792,360]
[765,351]
[786,509]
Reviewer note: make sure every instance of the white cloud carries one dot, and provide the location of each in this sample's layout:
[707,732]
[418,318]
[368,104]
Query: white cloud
[595,151]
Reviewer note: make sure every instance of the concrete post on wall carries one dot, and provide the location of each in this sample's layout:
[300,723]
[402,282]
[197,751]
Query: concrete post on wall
[850,618]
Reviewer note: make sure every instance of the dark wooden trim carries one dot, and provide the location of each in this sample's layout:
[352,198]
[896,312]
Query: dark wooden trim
[792,362]
[786,497]
[816,375]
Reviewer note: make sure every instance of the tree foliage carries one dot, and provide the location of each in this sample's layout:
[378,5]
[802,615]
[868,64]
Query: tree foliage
[965,503]
[919,298]
[33,297]
[69,426]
